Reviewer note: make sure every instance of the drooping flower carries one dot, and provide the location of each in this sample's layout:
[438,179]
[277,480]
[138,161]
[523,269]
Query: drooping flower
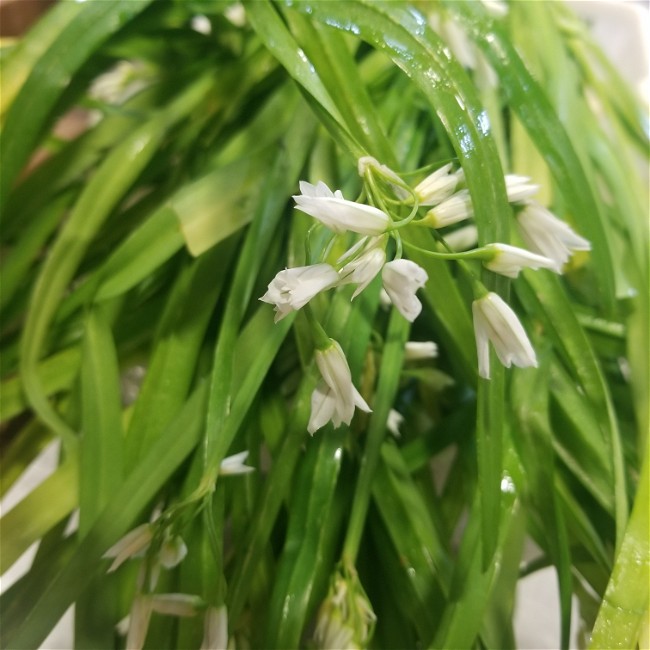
[215,629]
[335,397]
[235,464]
[457,207]
[176,604]
[401,279]
[139,618]
[339,214]
[292,289]
[495,321]
[509,260]
[438,186]
[418,350]
[547,235]
[462,238]
[134,542]
[172,552]
[363,269]
[519,188]
[394,422]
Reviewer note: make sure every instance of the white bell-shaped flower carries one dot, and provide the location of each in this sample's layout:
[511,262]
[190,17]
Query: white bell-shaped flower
[292,289]
[495,321]
[132,544]
[339,214]
[363,269]
[519,188]
[457,207]
[401,279]
[547,235]
[215,629]
[419,350]
[509,260]
[335,397]
[438,186]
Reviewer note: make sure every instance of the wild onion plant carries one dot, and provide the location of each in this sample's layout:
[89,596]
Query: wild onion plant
[331,306]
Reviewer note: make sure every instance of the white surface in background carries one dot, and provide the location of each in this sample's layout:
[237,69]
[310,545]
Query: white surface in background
[623,29]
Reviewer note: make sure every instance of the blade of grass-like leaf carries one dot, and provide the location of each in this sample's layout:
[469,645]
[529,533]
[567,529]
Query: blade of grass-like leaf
[115,176]
[534,441]
[17,454]
[16,265]
[329,53]
[101,468]
[305,540]
[543,295]
[57,373]
[102,442]
[85,28]
[172,364]
[420,551]
[281,180]
[41,509]
[625,604]
[471,584]
[389,376]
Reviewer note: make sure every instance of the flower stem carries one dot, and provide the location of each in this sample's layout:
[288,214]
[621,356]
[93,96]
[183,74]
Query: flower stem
[388,380]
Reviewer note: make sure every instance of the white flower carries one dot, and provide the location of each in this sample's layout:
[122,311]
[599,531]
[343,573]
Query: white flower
[292,289]
[509,260]
[417,350]
[402,278]
[463,238]
[131,544]
[338,214]
[547,235]
[139,622]
[495,321]
[235,464]
[394,422]
[363,269]
[457,207]
[176,604]
[335,397]
[172,552]
[215,629]
[519,188]
[438,186]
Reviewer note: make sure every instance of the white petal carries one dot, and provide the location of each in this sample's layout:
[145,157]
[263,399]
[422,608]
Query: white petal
[215,629]
[132,543]
[323,406]
[457,207]
[394,422]
[138,622]
[510,260]
[402,278]
[235,464]
[417,350]
[176,604]
[172,552]
[518,188]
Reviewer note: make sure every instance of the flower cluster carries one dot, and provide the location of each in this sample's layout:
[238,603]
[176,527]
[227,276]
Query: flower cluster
[160,547]
[447,201]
